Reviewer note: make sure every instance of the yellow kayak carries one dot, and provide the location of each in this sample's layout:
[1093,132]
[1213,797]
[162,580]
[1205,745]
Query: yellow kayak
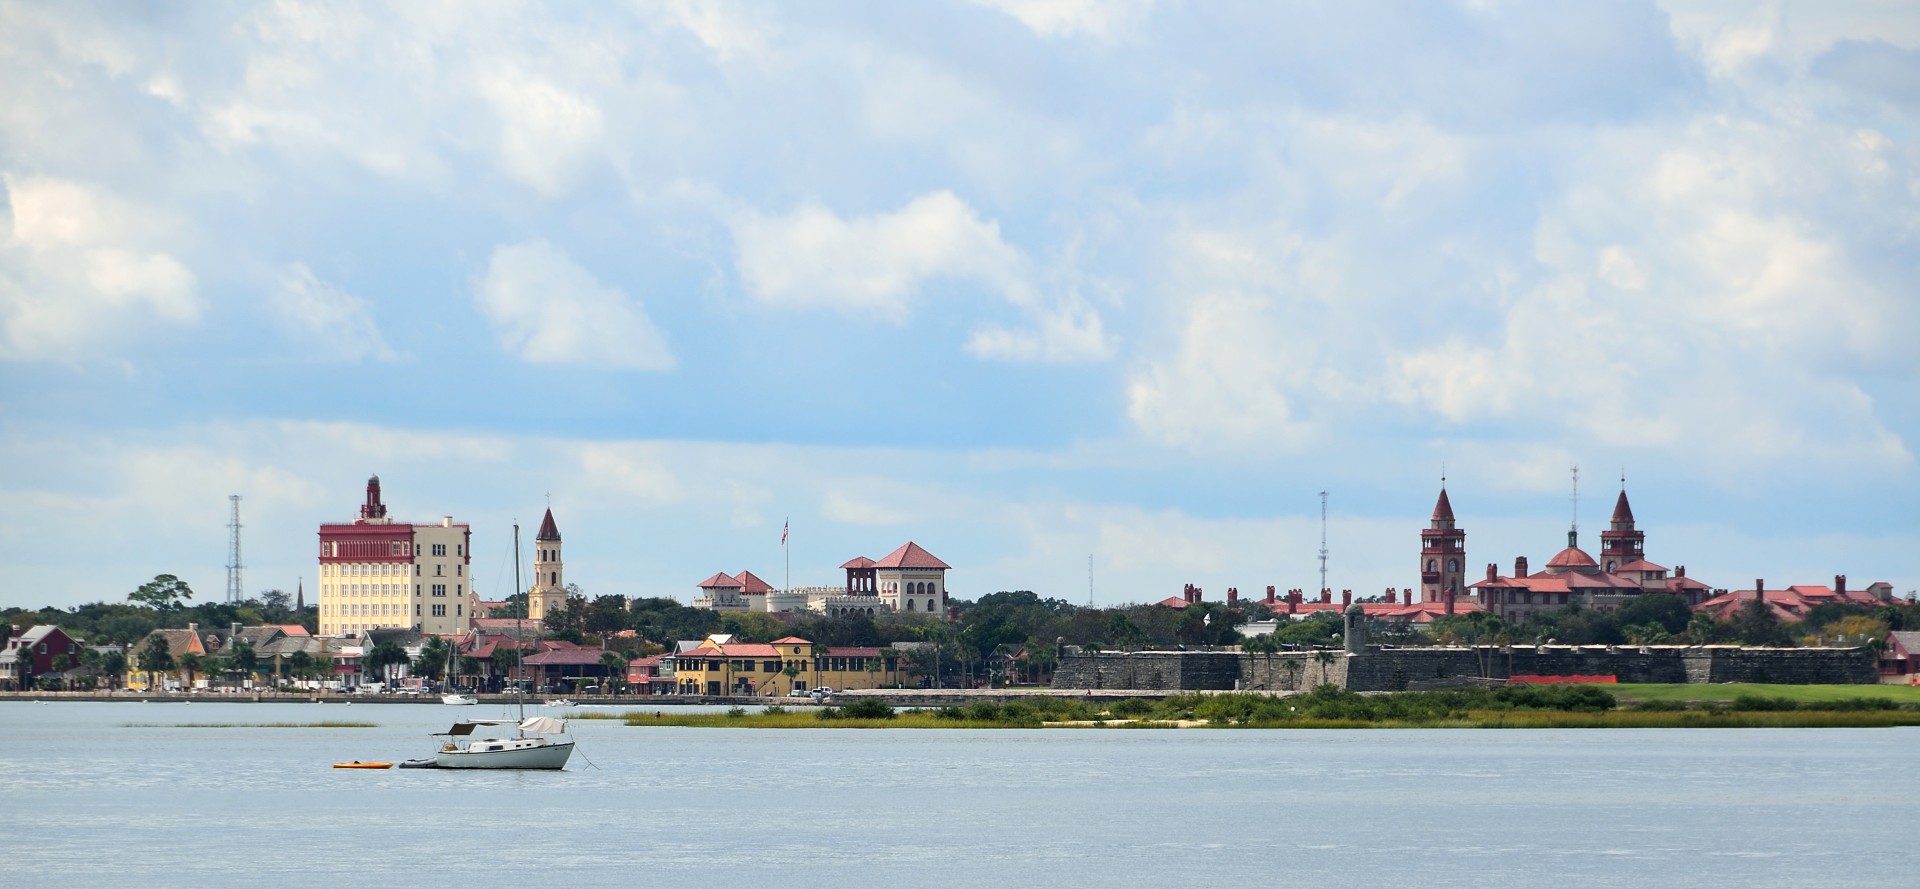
[356,764]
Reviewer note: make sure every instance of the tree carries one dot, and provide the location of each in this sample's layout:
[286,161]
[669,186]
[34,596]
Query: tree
[191,662]
[616,665]
[164,592]
[1293,668]
[156,657]
[432,662]
[382,658]
[1702,629]
[1667,610]
[1325,660]
[114,665]
[242,659]
[1756,624]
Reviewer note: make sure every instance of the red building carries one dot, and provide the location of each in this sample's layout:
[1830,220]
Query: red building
[1572,576]
[38,651]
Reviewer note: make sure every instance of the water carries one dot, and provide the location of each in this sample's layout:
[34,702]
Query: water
[118,793]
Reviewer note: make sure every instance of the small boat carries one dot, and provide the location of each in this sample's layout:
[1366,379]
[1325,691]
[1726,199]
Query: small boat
[527,749]
[420,764]
[357,764]
[561,702]
[458,700]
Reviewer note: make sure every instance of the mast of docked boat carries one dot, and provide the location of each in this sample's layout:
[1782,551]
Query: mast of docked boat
[519,634]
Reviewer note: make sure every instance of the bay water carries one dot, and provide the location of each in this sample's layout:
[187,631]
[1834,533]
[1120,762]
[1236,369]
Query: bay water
[217,794]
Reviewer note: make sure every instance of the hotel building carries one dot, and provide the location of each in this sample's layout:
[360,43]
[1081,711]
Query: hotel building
[376,573]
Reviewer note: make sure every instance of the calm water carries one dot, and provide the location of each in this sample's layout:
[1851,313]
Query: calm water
[121,794]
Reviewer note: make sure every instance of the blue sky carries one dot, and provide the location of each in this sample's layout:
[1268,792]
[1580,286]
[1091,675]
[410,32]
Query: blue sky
[1024,282]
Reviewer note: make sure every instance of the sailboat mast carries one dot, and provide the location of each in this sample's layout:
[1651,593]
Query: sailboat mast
[519,633]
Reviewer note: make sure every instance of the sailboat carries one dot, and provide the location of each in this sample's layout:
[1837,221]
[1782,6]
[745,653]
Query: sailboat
[530,747]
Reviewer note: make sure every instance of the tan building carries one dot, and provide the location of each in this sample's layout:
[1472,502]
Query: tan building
[720,666]
[378,573]
[549,591]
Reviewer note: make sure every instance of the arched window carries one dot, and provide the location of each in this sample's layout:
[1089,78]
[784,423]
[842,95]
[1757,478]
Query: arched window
[1433,564]
[929,606]
[1453,564]
[1610,564]
[909,604]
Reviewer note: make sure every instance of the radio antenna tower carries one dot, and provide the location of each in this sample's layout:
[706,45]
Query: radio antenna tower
[1576,498]
[1323,540]
[233,552]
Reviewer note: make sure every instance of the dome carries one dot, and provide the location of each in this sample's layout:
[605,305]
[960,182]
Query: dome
[1572,558]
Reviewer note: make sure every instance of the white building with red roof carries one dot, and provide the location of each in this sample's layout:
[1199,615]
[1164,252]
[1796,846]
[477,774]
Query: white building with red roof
[909,580]
[377,573]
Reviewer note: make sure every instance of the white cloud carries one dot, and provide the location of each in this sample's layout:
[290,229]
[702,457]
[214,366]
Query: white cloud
[874,265]
[546,132]
[337,320]
[546,309]
[1232,384]
[81,268]
[1099,19]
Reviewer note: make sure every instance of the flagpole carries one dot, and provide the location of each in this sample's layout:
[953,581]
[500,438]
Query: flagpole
[787,551]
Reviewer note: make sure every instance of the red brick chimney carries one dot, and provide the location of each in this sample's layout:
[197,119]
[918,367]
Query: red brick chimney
[1269,593]
[1520,566]
[1393,596]
[1346,598]
[1326,595]
[1760,589]
[1493,571]
[1233,594]
[1840,584]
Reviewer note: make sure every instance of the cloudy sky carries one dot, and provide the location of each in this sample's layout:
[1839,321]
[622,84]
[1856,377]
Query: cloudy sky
[1039,284]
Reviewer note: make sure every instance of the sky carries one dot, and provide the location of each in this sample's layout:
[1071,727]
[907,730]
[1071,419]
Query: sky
[1089,299]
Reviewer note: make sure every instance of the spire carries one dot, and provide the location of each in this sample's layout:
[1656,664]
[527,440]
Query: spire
[548,530]
[1622,513]
[300,595]
[1443,508]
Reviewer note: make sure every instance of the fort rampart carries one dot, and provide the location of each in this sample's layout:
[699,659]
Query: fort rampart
[1401,669]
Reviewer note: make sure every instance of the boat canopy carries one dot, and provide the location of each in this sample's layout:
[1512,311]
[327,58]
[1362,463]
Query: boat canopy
[543,725]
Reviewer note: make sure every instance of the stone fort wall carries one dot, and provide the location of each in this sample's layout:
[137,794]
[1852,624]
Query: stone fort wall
[1401,669]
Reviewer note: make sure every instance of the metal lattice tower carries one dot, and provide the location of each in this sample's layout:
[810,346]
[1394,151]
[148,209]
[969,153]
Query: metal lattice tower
[1323,540]
[233,552]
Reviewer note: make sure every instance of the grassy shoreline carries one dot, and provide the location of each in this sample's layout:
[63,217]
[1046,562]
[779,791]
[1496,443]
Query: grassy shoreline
[1327,707]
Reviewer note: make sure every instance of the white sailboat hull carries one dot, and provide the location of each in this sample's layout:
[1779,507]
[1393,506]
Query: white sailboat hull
[507,753]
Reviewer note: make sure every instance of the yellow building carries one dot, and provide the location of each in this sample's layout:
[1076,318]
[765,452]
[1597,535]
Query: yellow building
[719,666]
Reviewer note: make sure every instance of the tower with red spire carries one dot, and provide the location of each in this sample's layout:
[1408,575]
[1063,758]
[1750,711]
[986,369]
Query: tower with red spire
[549,591]
[1443,553]
[1620,544]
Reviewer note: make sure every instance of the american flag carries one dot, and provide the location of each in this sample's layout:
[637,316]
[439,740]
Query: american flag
[783,531]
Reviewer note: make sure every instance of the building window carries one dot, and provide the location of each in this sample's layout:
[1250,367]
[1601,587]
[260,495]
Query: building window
[440,589]
[439,610]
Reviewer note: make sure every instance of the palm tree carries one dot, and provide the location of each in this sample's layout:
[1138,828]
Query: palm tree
[156,658]
[616,664]
[1294,668]
[1325,659]
[114,664]
[192,662]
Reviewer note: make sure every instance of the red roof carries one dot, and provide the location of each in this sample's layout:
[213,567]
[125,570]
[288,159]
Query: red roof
[860,562]
[564,656]
[910,555]
[751,584]
[1641,565]
[737,649]
[1621,511]
[791,640]
[1174,602]
[719,580]
[1572,557]
[1443,509]
[548,530]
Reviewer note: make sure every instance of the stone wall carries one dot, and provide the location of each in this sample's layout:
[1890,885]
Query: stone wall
[1149,670]
[1400,669]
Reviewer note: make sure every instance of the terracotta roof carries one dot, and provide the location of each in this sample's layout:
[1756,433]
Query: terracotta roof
[792,640]
[548,530]
[1174,602]
[1640,565]
[1572,557]
[1621,511]
[737,649]
[859,562]
[853,651]
[564,657]
[910,555]
[720,580]
[751,584]
[1443,508]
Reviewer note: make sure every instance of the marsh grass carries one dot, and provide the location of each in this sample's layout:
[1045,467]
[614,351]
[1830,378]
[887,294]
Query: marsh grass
[249,725]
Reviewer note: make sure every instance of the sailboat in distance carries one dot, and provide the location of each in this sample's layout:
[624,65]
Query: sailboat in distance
[530,747]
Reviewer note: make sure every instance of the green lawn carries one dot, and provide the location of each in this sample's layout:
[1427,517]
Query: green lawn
[1630,693]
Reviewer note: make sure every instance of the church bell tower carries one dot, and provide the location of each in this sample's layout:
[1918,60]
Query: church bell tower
[1443,553]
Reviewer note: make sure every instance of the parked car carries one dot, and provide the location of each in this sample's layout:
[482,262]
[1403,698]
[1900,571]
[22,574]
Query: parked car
[798,693]
[823,691]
